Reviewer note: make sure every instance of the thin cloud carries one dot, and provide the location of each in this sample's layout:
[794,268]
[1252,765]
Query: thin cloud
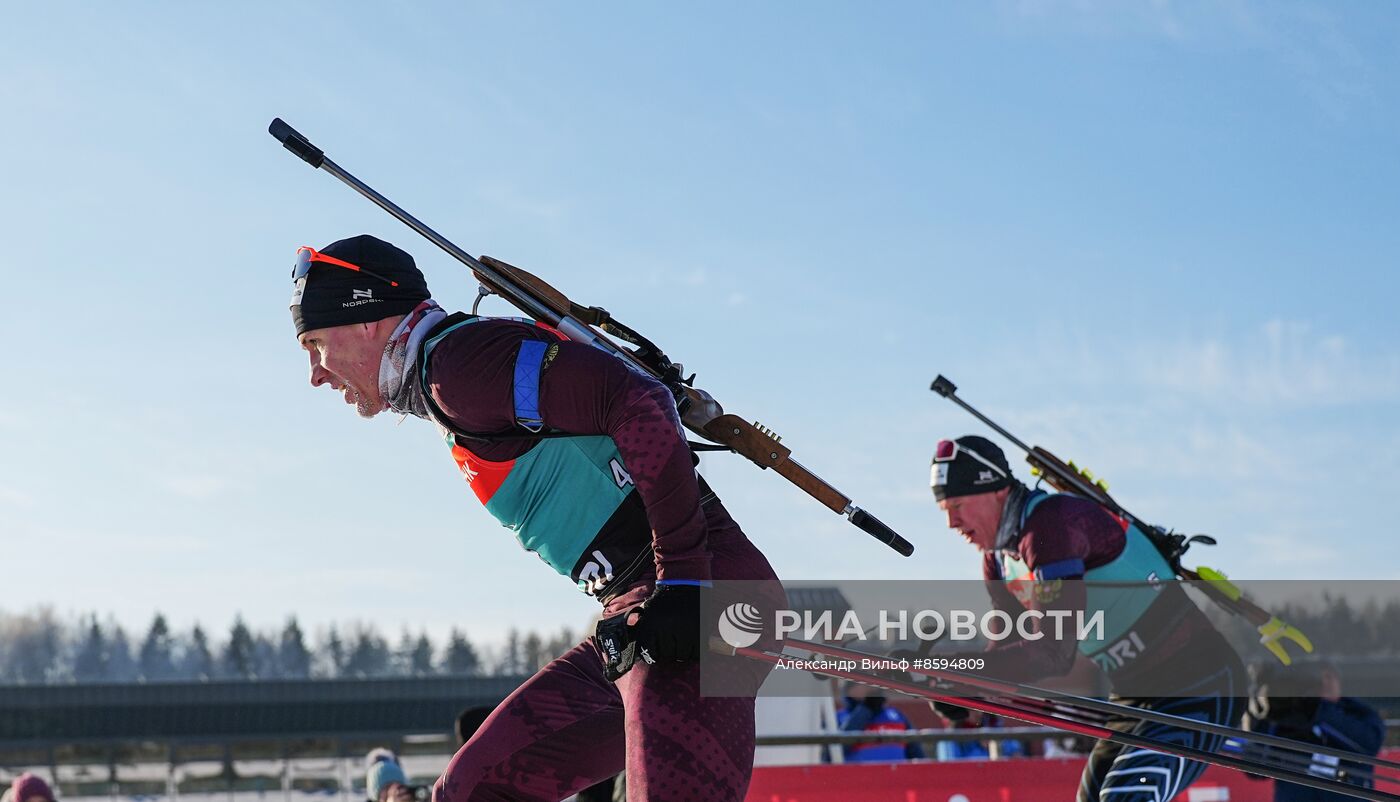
[196,486]
[673,275]
[1292,551]
[1100,17]
[512,201]
[14,497]
[1305,41]
[1284,363]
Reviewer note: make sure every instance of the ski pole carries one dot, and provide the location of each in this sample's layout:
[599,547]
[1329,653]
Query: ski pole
[1015,689]
[1074,727]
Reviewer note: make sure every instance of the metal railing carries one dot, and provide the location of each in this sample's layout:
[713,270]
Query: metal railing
[906,736]
[343,770]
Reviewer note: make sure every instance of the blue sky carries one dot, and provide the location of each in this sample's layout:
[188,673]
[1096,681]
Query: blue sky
[1158,238]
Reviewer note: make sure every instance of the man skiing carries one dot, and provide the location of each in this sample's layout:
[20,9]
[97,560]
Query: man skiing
[584,459]
[1059,552]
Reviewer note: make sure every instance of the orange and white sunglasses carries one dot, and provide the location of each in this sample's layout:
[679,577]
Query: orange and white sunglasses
[306,255]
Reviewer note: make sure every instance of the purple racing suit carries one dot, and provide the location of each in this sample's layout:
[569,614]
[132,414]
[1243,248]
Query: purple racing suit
[568,727]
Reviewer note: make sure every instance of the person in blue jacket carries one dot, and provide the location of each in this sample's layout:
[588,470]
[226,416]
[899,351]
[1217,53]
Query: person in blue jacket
[975,750]
[1305,703]
[866,711]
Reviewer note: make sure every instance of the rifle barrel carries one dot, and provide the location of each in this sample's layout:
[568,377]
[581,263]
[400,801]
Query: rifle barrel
[949,391]
[532,306]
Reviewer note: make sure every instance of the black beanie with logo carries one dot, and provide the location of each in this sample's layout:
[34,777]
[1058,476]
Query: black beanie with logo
[976,466]
[330,295]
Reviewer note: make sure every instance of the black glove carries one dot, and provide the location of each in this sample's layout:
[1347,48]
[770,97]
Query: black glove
[668,625]
[1270,710]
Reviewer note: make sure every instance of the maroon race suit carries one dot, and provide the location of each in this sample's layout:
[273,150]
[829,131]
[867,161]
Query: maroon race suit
[568,727]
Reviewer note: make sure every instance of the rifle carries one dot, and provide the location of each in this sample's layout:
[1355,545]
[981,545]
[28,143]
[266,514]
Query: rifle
[1066,477]
[591,325]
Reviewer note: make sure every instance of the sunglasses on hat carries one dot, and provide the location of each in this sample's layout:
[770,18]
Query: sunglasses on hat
[306,255]
[948,450]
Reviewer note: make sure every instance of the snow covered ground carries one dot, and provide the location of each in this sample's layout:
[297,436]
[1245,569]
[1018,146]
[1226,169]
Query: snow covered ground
[343,779]
[273,780]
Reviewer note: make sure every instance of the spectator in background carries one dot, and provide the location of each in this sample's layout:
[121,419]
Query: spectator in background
[1061,746]
[866,711]
[469,721]
[379,754]
[30,788]
[974,750]
[385,780]
[1305,703]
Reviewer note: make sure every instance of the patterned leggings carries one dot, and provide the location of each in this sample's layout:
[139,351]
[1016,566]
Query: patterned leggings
[567,728]
[1131,774]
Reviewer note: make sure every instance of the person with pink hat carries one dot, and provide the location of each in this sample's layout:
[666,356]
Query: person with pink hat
[29,787]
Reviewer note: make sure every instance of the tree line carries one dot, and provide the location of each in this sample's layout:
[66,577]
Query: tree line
[40,647]
[1339,626]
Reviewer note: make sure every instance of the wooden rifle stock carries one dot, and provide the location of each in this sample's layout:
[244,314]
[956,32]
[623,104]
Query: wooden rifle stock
[767,452]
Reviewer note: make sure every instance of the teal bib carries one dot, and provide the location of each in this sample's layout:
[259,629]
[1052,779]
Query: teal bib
[557,496]
[1123,589]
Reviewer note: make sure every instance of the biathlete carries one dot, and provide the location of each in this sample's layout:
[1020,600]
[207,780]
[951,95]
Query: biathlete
[1043,552]
[585,460]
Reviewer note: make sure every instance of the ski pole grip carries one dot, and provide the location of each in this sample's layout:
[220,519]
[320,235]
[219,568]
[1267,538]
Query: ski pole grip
[296,143]
[873,527]
[943,386]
